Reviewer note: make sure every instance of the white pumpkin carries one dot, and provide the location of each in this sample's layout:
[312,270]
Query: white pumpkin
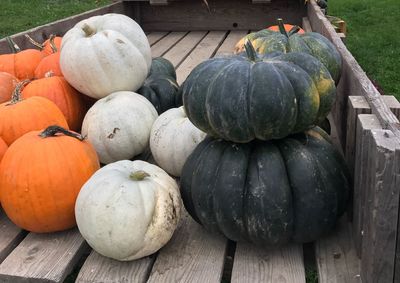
[119,125]
[173,138]
[104,54]
[128,209]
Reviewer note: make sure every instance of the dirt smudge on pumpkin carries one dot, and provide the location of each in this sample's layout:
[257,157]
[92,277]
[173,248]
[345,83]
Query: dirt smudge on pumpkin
[120,41]
[111,136]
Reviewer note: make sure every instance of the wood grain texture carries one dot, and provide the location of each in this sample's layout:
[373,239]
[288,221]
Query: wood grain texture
[306,25]
[156,36]
[165,44]
[365,123]
[41,33]
[183,48]
[192,255]
[257,264]
[336,258]
[203,51]
[10,235]
[98,268]
[381,208]
[43,257]
[397,257]
[230,41]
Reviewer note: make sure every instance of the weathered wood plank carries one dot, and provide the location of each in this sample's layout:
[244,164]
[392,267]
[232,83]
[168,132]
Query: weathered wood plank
[230,41]
[10,235]
[156,36]
[381,208]
[98,268]
[43,257]
[365,123]
[336,258]
[397,257]
[204,50]
[165,44]
[256,264]
[183,48]
[192,255]
[306,25]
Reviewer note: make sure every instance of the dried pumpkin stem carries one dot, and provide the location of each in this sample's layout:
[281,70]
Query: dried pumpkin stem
[138,175]
[293,30]
[13,46]
[282,27]
[16,95]
[53,130]
[250,51]
[34,42]
[89,31]
[52,43]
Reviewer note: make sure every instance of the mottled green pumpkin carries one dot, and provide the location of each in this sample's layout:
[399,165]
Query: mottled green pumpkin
[160,87]
[312,43]
[240,99]
[266,192]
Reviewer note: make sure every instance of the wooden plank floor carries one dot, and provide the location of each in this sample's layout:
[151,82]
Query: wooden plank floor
[192,255]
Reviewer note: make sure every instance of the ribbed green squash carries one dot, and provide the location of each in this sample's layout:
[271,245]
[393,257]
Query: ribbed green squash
[160,87]
[267,193]
[312,43]
[240,99]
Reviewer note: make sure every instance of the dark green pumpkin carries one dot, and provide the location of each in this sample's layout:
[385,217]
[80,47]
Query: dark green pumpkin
[266,192]
[240,99]
[160,87]
[312,43]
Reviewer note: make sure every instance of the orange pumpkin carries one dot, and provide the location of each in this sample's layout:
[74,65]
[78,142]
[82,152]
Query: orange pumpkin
[20,116]
[49,46]
[3,148]
[68,99]
[50,63]
[288,27]
[21,64]
[7,85]
[41,175]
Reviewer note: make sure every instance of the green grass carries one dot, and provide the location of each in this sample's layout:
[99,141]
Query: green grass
[20,15]
[373,38]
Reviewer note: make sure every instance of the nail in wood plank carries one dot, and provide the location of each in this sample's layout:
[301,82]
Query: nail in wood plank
[43,257]
[10,235]
[256,264]
[165,44]
[192,255]
[203,51]
[98,268]
[336,257]
[154,37]
[230,41]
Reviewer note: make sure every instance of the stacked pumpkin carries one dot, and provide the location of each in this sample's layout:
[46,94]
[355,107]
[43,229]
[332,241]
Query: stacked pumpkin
[265,174]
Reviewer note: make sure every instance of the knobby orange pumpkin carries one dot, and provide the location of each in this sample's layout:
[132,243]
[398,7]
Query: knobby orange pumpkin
[21,64]
[288,27]
[20,116]
[3,148]
[40,180]
[68,99]
[7,85]
[50,63]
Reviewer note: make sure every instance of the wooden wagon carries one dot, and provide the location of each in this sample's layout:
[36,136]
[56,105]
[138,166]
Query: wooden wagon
[365,244]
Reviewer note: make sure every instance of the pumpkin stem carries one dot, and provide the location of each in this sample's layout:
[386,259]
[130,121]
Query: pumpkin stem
[282,27]
[52,44]
[138,175]
[89,31]
[250,51]
[51,131]
[293,30]
[13,46]
[16,95]
[34,42]
[49,74]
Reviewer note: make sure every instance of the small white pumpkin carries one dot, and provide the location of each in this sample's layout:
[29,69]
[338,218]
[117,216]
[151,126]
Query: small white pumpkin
[128,209]
[119,125]
[104,54]
[172,139]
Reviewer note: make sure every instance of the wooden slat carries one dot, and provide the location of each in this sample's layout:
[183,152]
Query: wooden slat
[10,235]
[98,268]
[162,46]
[336,257]
[257,264]
[229,43]
[381,208]
[43,257]
[192,255]
[306,25]
[204,50]
[154,37]
[159,2]
[365,123]
[182,49]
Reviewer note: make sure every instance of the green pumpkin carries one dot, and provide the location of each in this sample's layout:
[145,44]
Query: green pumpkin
[266,192]
[312,43]
[240,99]
[160,87]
